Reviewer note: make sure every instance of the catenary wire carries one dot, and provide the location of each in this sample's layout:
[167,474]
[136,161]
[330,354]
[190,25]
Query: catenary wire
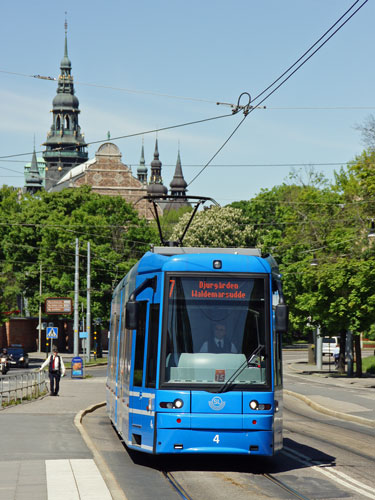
[136,134]
[227,115]
[307,51]
[281,83]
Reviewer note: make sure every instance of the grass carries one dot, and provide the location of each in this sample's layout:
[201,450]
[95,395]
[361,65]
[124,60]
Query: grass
[92,362]
[18,401]
[368,365]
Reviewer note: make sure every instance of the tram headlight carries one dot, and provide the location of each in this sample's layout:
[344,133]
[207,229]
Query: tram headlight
[254,404]
[175,405]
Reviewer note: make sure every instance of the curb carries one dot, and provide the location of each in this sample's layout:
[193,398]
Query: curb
[115,490]
[332,413]
[353,381]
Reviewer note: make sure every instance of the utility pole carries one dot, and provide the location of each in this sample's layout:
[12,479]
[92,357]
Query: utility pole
[76,305]
[349,352]
[88,310]
[40,311]
[318,349]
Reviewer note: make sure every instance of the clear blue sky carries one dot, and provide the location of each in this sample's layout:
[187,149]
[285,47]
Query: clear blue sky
[208,50]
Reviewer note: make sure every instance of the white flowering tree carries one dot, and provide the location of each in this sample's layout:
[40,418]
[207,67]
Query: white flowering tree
[215,227]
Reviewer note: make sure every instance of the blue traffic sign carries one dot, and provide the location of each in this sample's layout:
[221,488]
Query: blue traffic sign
[52,332]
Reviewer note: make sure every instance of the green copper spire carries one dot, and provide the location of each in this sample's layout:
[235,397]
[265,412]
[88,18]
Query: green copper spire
[142,169]
[33,179]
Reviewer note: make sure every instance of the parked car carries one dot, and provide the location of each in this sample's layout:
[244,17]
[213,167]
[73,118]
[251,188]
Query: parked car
[18,356]
[329,345]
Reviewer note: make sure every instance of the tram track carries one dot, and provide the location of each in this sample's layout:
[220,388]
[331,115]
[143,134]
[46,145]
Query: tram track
[285,487]
[181,491]
[176,485]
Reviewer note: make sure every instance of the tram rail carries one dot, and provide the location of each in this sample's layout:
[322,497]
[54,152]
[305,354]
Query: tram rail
[176,485]
[285,487]
[185,495]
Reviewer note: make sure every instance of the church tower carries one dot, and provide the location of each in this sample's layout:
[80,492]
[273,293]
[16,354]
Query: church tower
[142,169]
[156,186]
[34,181]
[178,184]
[178,188]
[65,145]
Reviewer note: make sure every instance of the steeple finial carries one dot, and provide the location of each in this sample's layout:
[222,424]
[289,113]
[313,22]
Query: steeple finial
[66,37]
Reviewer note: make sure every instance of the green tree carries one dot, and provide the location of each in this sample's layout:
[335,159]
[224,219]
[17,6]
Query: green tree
[42,231]
[215,227]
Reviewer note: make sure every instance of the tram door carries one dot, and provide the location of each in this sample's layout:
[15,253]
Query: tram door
[142,412]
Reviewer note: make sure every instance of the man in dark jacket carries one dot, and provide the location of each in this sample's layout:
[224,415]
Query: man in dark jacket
[219,342]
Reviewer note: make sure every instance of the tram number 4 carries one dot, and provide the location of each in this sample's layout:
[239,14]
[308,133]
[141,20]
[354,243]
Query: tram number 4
[216,439]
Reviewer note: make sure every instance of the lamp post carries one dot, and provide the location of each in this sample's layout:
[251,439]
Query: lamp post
[318,349]
[40,312]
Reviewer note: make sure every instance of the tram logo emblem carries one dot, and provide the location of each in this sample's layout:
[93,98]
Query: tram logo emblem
[216,403]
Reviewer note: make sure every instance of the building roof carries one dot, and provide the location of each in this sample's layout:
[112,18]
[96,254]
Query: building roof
[76,171]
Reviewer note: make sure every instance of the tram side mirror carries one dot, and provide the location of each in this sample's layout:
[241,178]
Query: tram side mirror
[281,318]
[131,317]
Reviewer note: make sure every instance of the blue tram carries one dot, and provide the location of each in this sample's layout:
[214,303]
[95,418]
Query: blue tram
[195,353]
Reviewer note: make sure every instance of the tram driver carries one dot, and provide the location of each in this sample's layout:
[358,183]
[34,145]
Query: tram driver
[219,342]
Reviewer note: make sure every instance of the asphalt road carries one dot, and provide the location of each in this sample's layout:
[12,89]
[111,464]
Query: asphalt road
[323,457]
[320,460]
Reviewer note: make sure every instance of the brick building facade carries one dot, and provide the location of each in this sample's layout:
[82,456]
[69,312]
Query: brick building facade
[107,175]
[25,331]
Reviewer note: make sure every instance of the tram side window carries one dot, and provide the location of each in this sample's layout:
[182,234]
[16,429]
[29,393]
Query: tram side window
[278,360]
[140,345]
[152,348]
[113,346]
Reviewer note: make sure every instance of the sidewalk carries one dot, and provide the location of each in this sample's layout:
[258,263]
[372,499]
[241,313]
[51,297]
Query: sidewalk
[346,398]
[44,455]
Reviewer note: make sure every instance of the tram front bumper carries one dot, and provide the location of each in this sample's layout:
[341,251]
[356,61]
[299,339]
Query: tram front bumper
[207,433]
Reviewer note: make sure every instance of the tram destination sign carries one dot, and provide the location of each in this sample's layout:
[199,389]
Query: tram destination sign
[58,305]
[214,288]
[218,289]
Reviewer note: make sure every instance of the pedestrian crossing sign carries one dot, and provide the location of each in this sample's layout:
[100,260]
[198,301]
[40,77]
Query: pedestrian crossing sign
[52,332]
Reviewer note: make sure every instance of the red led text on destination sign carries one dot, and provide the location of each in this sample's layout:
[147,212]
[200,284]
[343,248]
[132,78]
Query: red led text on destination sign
[218,290]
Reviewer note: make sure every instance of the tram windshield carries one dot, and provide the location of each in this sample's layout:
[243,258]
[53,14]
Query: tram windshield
[214,324]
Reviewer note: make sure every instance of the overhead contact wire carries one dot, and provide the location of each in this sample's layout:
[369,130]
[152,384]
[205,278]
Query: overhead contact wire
[252,108]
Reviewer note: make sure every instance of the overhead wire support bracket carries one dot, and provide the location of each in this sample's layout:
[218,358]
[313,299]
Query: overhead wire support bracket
[246,108]
[200,200]
[44,77]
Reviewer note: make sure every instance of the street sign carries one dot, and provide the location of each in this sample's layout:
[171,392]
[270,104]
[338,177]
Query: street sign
[52,332]
[83,335]
[57,305]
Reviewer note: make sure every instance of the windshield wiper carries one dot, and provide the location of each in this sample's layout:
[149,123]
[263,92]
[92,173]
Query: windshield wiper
[241,368]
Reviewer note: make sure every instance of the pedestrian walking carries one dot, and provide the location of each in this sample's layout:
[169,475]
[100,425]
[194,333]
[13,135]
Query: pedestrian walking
[56,369]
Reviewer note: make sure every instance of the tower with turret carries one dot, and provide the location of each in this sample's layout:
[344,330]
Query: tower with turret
[65,145]
[156,186]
